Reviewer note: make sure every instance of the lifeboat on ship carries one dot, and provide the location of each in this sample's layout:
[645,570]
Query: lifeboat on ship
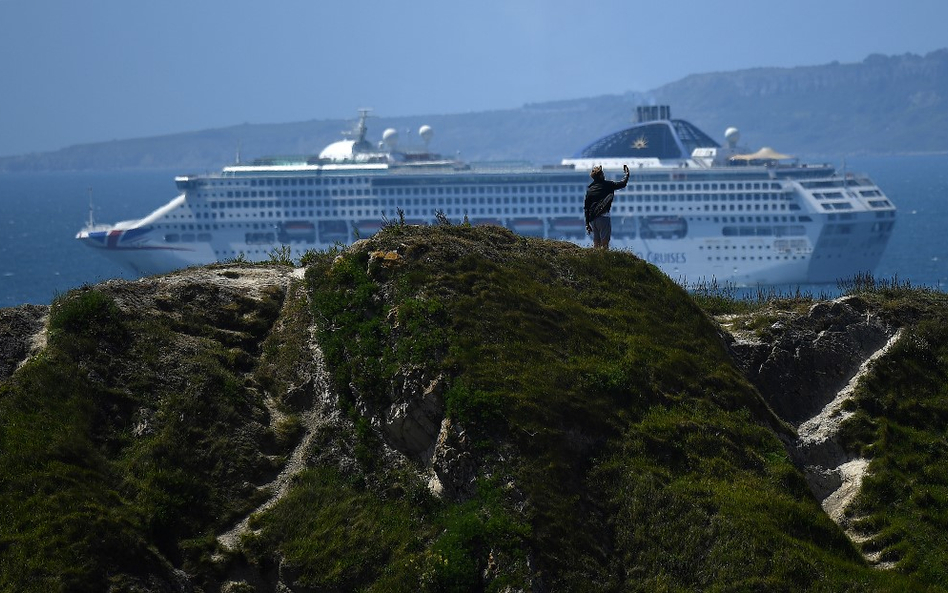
[485,221]
[623,227]
[367,228]
[530,227]
[567,226]
[664,227]
[297,230]
[333,231]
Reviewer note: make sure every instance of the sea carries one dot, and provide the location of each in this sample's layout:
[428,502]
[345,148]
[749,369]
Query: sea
[40,214]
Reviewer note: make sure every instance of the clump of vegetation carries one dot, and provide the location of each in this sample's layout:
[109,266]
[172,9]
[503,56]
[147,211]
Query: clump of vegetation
[721,298]
[282,255]
[865,283]
[726,298]
[899,301]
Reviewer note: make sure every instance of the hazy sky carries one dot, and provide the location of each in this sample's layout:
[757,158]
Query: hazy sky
[77,71]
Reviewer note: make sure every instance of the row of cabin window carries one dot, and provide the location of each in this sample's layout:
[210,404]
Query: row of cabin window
[715,219]
[284,181]
[702,186]
[836,206]
[311,181]
[752,258]
[479,199]
[394,192]
[368,210]
[524,209]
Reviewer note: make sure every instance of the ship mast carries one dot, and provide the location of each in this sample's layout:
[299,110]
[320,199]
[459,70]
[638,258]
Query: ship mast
[91,222]
[360,130]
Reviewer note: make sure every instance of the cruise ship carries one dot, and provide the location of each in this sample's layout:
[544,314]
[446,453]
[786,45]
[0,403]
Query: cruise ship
[697,209]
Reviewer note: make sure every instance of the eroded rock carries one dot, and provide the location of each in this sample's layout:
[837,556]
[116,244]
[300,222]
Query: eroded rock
[452,462]
[413,423]
[21,335]
[809,358]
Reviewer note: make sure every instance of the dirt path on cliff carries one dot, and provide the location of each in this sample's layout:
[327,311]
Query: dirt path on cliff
[311,420]
[230,539]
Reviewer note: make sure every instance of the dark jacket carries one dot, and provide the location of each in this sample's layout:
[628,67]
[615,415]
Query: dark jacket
[599,196]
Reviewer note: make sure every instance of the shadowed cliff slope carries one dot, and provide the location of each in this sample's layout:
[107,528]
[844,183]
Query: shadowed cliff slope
[437,408]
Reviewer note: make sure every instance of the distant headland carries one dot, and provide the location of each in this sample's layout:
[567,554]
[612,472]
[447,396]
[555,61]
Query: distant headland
[882,105]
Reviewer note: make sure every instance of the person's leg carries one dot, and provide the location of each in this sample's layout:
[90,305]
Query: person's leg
[605,233]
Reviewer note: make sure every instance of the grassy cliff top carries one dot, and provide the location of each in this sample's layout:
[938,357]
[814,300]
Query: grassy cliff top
[466,410]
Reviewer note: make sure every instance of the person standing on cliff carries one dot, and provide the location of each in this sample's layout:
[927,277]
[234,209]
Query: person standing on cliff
[598,203]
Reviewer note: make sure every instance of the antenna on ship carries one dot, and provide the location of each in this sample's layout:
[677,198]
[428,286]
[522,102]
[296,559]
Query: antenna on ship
[238,152]
[360,130]
[91,222]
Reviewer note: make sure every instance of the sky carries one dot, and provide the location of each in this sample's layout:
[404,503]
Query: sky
[81,71]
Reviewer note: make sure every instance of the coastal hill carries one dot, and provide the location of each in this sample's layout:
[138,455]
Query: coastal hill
[882,105]
[457,408]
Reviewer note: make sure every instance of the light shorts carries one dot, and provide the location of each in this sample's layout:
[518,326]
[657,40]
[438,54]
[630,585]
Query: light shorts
[601,228]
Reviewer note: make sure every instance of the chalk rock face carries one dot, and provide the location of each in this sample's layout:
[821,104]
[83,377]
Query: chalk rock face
[808,359]
[453,462]
[18,328]
[412,424]
[417,427]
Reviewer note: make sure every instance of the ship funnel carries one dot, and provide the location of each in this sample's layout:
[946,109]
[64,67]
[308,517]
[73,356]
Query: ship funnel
[646,113]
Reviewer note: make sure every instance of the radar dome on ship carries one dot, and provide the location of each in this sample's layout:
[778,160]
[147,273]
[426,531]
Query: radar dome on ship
[426,133]
[390,138]
[338,151]
[732,135]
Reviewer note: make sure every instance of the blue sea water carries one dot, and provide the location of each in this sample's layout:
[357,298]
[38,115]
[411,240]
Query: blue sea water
[918,186]
[40,214]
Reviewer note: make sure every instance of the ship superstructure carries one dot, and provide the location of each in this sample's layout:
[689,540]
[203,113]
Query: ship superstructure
[695,208]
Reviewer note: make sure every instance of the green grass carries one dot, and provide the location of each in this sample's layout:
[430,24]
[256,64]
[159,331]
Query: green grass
[722,298]
[130,440]
[707,500]
[901,410]
[335,534]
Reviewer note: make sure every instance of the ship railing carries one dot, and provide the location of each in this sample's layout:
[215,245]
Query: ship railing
[275,160]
